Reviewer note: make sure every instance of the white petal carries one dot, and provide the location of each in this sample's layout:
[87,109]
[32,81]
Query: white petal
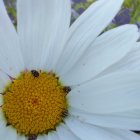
[125,135]
[84,31]
[21,137]
[135,113]
[1,100]
[7,133]
[42,137]
[2,118]
[4,81]
[89,132]
[122,120]
[53,136]
[105,51]
[65,134]
[42,28]
[11,60]
[130,62]
[112,93]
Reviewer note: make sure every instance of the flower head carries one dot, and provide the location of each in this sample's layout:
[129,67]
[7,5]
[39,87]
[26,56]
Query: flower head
[54,81]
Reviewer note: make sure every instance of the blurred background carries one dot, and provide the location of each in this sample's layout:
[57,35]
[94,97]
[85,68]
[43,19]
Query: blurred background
[129,13]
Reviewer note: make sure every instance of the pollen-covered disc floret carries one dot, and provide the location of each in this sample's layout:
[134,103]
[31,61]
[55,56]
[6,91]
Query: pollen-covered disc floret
[35,104]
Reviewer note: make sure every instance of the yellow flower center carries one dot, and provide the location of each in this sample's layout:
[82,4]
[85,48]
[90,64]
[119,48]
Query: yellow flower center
[35,103]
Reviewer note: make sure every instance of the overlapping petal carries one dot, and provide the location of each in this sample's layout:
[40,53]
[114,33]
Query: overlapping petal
[106,50]
[128,120]
[85,30]
[11,60]
[112,93]
[131,62]
[86,131]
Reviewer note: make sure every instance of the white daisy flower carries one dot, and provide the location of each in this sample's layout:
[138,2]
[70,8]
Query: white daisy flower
[52,75]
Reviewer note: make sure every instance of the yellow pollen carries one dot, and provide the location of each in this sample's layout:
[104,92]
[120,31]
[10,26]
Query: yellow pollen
[35,104]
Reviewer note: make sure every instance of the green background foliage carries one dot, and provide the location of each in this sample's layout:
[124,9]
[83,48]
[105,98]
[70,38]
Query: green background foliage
[80,5]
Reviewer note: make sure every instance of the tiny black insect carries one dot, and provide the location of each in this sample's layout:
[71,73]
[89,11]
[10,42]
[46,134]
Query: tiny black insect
[8,124]
[35,73]
[67,89]
[65,113]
